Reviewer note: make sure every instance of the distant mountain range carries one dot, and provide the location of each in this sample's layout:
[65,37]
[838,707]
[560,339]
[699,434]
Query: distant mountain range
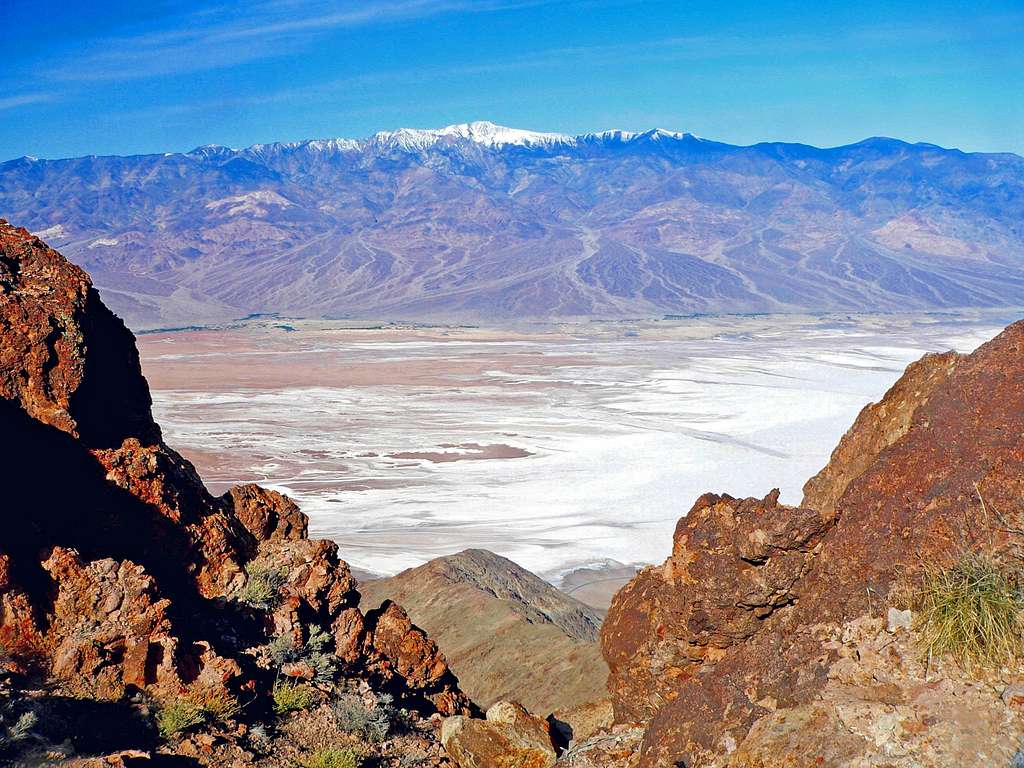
[482,222]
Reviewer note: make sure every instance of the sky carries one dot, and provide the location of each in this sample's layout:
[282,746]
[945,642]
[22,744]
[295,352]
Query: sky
[128,77]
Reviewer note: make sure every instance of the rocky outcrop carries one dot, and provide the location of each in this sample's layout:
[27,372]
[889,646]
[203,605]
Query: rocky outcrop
[66,359]
[739,627]
[526,639]
[118,570]
[884,705]
[109,628]
[733,564]
[267,515]
[878,426]
[399,652]
[510,737]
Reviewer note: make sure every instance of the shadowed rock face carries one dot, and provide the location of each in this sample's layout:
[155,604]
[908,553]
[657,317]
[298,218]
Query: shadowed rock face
[66,359]
[734,563]
[742,621]
[115,559]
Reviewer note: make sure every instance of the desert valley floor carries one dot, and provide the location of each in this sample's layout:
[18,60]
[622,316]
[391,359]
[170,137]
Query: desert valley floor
[561,447]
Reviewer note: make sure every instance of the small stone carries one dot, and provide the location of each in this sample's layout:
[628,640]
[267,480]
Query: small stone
[898,619]
[1013,695]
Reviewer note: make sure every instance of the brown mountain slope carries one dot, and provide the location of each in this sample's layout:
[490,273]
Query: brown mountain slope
[507,633]
[417,225]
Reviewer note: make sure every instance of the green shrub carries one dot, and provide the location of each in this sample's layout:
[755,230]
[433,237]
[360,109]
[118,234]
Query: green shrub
[972,612]
[291,697]
[178,716]
[332,757]
[262,586]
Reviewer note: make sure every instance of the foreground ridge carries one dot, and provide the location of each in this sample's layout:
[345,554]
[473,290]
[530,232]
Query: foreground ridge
[123,580]
[775,635]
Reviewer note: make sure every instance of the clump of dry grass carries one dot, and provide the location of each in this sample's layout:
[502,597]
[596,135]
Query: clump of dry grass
[973,611]
[291,697]
[262,586]
[332,757]
[179,715]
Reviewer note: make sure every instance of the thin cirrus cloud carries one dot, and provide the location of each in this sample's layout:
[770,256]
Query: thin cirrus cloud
[223,37]
[21,100]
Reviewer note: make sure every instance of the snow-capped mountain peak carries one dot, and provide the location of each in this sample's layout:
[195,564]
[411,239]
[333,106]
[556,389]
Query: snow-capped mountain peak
[479,132]
[417,140]
[489,134]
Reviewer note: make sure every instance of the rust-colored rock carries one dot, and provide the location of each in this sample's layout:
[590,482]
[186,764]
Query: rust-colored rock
[110,633]
[510,737]
[317,584]
[349,629]
[734,563]
[878,426]
[267,515]
[954,481]
[399,651]
[66,359]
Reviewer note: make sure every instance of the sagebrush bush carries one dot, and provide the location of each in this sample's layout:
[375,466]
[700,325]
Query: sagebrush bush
[315,652]
[291,697]
[179,715]
[262,586]
[373,723]
[15,727]
[973,612]
[332,757]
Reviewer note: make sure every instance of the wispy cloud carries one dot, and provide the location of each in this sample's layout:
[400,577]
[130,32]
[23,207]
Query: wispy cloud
[224,36]
[746,53]
[23,99]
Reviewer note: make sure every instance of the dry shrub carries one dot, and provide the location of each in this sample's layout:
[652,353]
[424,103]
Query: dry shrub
[179,715]
[262,586]
[973,612]
[332,757]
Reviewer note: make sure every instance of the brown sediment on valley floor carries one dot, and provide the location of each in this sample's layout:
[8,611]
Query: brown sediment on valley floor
[258,359]
[465,452]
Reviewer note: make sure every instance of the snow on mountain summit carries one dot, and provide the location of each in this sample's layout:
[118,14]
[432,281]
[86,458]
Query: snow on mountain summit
[487,133]
[479,132]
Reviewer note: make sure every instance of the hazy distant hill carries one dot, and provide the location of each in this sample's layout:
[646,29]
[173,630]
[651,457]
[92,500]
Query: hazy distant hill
[477,221]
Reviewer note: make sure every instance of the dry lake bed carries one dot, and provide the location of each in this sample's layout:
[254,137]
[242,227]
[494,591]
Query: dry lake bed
[561,447]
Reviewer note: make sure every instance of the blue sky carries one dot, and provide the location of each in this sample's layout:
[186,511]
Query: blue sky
[122,76]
